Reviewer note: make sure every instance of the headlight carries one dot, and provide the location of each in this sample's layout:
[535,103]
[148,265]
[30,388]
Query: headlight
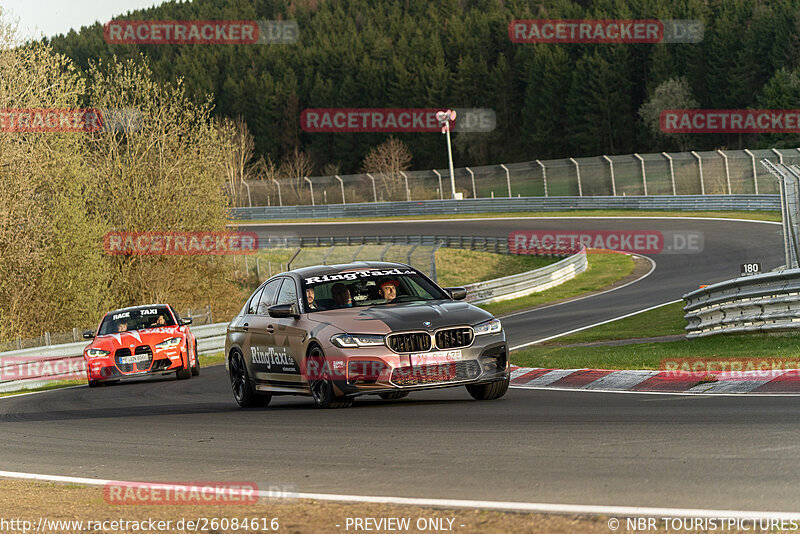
[97,353]
[351,341]
[492,326]
[168,344]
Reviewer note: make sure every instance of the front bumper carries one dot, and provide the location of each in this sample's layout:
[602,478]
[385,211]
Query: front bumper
[354,373]
[109,368]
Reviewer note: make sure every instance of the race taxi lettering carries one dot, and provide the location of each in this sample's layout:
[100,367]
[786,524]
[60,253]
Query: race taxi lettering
[125,315]
[354,275]
[149,312]
[270,357]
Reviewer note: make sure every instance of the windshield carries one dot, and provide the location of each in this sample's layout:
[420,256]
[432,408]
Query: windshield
[125,321]
[368,288]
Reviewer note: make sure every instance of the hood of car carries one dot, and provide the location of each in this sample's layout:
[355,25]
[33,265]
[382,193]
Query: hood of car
[386,318]
[134,338]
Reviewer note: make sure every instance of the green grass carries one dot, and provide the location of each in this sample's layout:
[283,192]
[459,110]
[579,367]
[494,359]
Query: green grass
[456,267]
[604,269]
[666,320]
[750,215]
[216,358]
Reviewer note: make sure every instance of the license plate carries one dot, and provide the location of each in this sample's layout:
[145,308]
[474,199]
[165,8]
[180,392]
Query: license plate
[432,358]
[134,359]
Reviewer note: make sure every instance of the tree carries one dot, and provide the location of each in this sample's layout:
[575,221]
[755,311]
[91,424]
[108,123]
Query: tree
[387,160]
[674,93]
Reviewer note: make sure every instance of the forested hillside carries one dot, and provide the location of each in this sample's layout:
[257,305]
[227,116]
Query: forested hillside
[551,100]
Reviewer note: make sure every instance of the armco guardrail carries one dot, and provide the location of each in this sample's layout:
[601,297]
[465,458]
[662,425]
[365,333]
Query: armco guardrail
[758,303]
[495,205]
[30,368]
[520,285]
[484,243]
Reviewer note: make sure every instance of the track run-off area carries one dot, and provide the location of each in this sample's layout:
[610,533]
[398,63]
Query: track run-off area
[532,446]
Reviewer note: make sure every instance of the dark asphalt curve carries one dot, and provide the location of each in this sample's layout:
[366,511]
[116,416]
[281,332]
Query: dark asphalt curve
[531,446]
[727,244]
[719,452]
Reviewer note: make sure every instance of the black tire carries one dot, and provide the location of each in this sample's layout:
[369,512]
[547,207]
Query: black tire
[196,366]
[490,391]
[243,390]
[94,384]
[394,395]
[320,384]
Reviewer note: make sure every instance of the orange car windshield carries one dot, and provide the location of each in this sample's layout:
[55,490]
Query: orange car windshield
[138,319]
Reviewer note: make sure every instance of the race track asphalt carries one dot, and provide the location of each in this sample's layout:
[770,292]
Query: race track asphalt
[544,446]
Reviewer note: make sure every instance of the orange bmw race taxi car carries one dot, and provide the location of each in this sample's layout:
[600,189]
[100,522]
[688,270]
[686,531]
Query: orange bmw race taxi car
[141,340]
[334,332]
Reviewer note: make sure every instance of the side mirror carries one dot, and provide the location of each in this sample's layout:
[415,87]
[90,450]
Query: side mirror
[282,311]
[88,335]
[186,321]
[457,293]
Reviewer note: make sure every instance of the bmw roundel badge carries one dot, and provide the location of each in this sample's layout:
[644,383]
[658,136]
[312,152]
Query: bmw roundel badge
[426,323]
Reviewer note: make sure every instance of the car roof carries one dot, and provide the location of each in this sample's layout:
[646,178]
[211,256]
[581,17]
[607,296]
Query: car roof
[140,307]
[319,270]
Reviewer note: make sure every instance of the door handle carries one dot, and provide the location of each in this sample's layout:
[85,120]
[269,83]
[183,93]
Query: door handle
[270,328]
[245,326]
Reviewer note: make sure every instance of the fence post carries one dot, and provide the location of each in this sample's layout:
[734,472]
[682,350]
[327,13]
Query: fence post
[210,318]
[328,253]
[700,166]
[374,191]
[433,261]
[472,177]
[544,176]
[408,191]
[613,181]
[341,184]
[508,179]
[289,263]
[19,343]
[310,185]
[280,200]
[755,175]
[75,335]
[578,172]
[727,170]
[258,270]
[410,252]
[440,183]
[644,173]
[671,172]
[780,156]
[385,251]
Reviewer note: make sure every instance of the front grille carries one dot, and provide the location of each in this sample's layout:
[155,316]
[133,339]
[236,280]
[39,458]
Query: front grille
[436,374]
[124,367]
[453,338]
[413,342]
[145,365]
